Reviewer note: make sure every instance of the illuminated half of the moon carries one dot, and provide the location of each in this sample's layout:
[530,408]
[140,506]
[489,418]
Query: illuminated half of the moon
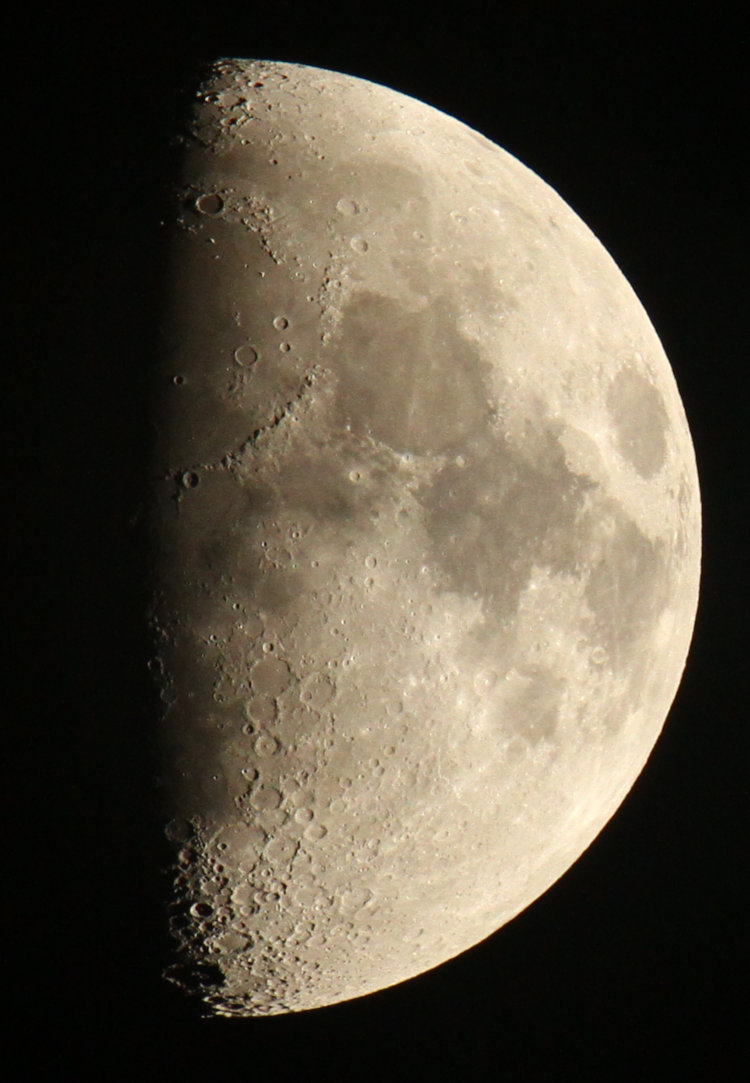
[426,536]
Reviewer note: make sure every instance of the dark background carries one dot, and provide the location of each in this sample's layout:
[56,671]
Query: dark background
[634,965]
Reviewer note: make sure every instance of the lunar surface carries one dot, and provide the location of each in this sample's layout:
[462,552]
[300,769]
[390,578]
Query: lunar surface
[426,539]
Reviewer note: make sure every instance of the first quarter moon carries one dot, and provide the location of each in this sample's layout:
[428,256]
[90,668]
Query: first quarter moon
[426,538]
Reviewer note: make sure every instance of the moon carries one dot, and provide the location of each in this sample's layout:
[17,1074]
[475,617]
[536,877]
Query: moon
[426,535]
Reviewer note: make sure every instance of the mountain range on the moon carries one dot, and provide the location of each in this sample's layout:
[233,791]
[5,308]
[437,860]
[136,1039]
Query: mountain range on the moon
[427,538]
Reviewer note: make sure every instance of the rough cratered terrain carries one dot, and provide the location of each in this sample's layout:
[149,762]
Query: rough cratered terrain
[426,537]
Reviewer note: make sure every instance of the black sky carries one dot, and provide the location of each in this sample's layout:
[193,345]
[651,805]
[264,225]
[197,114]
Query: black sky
[632,966]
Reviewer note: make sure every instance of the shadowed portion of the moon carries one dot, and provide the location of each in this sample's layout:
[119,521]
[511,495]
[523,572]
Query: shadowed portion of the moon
[426,539]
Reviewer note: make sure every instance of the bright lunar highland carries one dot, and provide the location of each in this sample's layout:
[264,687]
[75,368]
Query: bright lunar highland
[426,538]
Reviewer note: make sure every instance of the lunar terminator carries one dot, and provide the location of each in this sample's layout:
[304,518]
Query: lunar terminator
[426,538]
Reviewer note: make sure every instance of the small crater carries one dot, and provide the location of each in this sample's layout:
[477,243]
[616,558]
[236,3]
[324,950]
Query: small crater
[266,745]
[262,896]
[261,709]
[266,797]
[246,355]
[270,676]
[317,691]
[347,207]
[315,832]
[211,203]
[231,942]
[280,850]
[359,244]
[179,830]
[280,323]
[355,898]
